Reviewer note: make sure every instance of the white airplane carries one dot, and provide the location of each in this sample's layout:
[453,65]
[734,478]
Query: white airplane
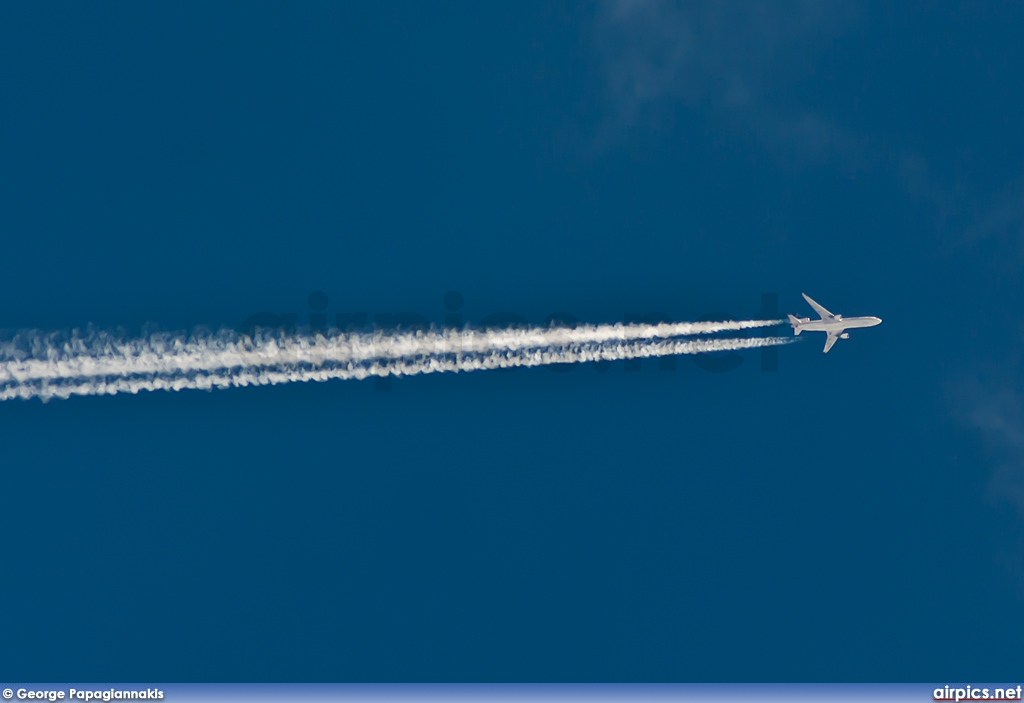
[834,325]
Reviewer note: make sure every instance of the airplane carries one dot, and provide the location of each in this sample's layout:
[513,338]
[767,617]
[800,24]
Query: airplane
[834,325]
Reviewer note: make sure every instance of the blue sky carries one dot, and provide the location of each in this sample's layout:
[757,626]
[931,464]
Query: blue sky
[856,516]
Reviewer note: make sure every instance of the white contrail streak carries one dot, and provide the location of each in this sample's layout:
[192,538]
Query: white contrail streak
[290,371]
[37,357]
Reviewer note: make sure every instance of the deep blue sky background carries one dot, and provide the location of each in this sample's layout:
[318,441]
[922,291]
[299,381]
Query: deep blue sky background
[856,516]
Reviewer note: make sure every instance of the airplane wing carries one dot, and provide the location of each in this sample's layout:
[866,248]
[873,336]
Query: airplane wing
[833,337]
[822,312]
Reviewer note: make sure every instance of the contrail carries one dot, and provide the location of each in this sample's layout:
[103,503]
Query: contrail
[288,370]
[39,357]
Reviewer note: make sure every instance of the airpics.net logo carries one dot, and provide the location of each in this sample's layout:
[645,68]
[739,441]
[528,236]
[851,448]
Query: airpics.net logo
[977,693]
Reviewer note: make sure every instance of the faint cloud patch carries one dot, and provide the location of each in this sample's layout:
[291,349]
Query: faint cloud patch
[807,139]
[724,54]
[745,64]
[753,67]
[1001,220]
[997,414]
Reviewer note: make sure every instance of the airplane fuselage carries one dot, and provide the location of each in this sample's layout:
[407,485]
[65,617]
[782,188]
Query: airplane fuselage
[838,324]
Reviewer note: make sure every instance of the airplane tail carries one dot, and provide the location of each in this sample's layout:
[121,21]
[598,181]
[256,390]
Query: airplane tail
[795,321]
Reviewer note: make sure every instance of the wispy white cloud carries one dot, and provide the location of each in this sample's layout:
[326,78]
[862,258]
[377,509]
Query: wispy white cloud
[1001,219]
[727,55]
[997,413]
[990,403]
[751,67]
